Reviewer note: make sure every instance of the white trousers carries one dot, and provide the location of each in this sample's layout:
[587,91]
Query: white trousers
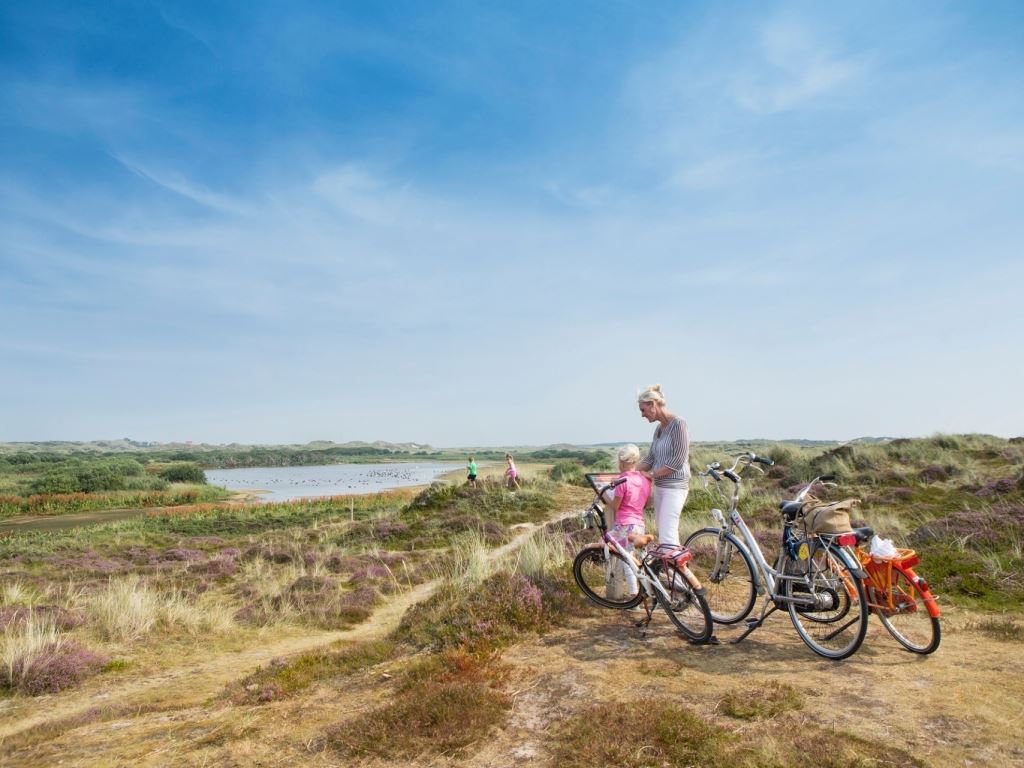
[668,506]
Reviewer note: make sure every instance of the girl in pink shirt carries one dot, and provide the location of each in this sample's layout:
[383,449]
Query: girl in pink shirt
[629,499]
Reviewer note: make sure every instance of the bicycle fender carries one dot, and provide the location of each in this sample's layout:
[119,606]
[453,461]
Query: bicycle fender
[855,567]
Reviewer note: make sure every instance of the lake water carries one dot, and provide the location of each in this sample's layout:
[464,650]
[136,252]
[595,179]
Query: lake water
[284,483]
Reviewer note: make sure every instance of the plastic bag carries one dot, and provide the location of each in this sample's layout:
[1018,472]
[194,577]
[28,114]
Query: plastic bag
[883,549]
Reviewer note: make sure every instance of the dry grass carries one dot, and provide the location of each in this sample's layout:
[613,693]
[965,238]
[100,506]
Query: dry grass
[23,642]
[129,609]
[443,706]
[543,553]
[760,701]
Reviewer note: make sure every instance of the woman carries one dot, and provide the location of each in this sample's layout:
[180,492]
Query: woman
[668,461]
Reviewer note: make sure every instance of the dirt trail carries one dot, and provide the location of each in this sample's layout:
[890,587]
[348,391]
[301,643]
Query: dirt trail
[194,683]
[962,706]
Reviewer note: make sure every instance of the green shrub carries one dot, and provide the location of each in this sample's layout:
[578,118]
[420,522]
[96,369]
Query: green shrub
[86,478]
[567,472]
[183,472]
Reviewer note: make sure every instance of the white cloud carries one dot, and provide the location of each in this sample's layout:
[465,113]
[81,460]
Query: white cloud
[796,67]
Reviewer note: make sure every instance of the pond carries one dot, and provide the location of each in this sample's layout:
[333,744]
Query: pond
[285,483]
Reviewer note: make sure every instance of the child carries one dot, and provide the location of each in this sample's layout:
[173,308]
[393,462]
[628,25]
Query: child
[471,471]
[511,473]
[629,499]
[626,502]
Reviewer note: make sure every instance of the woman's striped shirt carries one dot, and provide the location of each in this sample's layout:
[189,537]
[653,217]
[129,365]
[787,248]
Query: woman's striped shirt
[671,448]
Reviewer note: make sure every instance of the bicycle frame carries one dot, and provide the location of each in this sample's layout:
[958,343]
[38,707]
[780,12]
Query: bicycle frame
[640,569]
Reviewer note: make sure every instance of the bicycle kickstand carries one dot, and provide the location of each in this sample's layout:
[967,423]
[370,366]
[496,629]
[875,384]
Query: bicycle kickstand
[645,622]
[753,624]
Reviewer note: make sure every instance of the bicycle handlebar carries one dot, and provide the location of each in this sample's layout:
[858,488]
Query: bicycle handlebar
[746,458]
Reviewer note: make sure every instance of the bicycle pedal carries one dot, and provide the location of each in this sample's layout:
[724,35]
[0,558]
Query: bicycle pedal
[751,623]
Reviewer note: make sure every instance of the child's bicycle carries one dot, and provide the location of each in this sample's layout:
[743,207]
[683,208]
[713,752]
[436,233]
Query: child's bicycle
[817,579]
[660,578]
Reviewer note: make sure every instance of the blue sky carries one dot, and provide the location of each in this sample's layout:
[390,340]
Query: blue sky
[475,223]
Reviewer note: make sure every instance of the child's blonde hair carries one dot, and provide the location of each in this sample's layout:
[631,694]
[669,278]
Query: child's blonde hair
[629,454]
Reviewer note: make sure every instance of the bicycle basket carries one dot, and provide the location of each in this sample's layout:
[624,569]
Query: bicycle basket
[819,517]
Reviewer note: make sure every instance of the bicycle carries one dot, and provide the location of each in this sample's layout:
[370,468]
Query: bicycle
[660,578]
[902,600]
[817,579]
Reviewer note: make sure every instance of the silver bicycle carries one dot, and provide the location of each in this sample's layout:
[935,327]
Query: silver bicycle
[817,579]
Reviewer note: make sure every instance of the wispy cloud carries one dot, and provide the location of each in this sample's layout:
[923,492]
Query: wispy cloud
[180,185]
[796,67]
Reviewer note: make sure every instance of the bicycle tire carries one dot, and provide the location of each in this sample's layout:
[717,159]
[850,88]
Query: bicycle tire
[591,568]
[726,572]
[910,623]
[687,607]
[836,626]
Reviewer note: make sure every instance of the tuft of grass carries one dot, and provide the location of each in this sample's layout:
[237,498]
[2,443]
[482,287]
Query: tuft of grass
[763,702]
[36,659]
[125,610]
[286,677]
[18,593]
[468,562]
[1005,630]
[443,706]
[667,734]
[541,554]
[129,609]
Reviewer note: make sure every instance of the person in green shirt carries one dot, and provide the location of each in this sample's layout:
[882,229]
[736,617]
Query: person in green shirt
[471,470]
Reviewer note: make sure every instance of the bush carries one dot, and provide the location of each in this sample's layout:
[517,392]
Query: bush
[58,666]
[183,472]
[567,472]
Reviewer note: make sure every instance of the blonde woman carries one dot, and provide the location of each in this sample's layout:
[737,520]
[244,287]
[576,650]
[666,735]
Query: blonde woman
[668,462]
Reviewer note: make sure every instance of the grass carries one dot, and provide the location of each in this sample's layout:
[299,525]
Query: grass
[51,504]
[444,705]
[761,701]
[668,734]
[35,658]
[1004,630]
[287,677]
[128,609]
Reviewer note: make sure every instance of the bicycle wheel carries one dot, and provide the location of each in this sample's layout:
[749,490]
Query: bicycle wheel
[602,578]
[827,606]
[909,621]
[725,571]
[687,608]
